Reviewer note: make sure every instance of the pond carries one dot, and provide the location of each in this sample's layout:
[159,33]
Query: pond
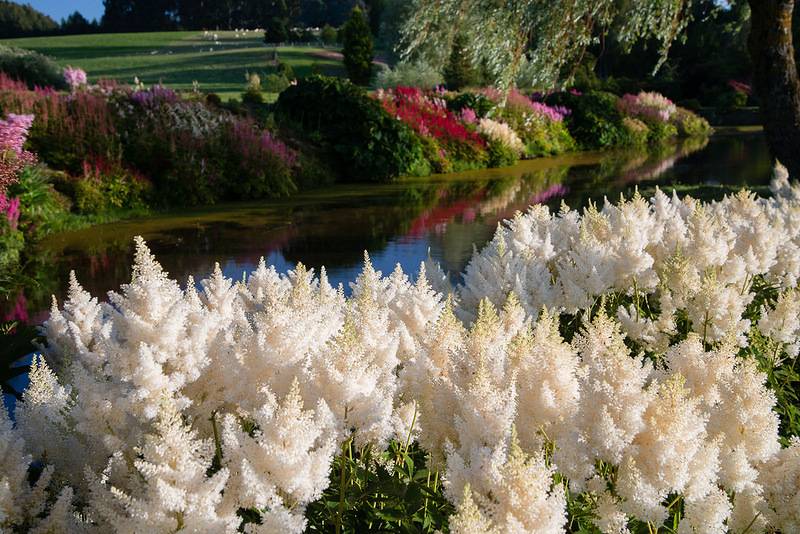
[442,216]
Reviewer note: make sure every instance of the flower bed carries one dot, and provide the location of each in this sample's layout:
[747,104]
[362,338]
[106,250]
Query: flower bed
[627,367]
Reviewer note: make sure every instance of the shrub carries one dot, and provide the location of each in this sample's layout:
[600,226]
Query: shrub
[637,131]
[408,74]
[357,48]
[43,209]
[35,69]
[690,124]
[660,131]
[366,143]
[328,35]
[196,154]
[105,186]
[477,102]
[594,121]
[275,83]
[501,133]
[540,126]
[649,106]
[428,115]
[11,238]
[730,99]
[285,70]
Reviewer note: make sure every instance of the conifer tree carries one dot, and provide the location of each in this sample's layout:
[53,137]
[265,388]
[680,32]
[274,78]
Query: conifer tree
[459,71]
[357,48]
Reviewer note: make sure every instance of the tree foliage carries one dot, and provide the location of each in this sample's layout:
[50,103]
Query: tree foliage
[539,37]
[459,71]
[357,48]
[18,20]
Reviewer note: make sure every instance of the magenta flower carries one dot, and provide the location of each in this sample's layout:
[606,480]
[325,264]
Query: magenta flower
[10,208]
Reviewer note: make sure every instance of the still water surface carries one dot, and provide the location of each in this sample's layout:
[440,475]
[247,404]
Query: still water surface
[403,222]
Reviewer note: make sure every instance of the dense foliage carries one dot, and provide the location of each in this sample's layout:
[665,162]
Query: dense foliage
[21,20]
[190,151]
[366,143]
[32,68]
[625,368]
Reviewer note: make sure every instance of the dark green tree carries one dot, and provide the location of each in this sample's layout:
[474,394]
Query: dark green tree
[375,8]
[22,20]
[357,48]
[328,34]
[459,71]
[279,15]
[77,24]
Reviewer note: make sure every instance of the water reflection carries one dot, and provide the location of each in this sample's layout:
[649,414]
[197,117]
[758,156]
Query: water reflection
[402,222]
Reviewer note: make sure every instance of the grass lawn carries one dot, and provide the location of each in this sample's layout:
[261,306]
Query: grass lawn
[179,58]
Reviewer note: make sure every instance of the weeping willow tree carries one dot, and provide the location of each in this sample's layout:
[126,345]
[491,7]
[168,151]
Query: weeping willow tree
[539,40]
[536,38]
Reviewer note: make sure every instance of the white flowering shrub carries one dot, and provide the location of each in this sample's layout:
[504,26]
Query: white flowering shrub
[502,133]
[621,369]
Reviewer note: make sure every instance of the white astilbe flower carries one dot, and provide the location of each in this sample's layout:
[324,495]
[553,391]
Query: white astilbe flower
[706,515]
[782,323]
[515,495]
[75,330]
[425,378]
[413,308]
[739,407]
[547,385]
[610,519]
[663,454]
[613,400]
[44,420]
[23,505]
[164,490]
[285,464]
[716,311]
[468,518]
[267,339]
[780,478]
[157,343]
[355,373]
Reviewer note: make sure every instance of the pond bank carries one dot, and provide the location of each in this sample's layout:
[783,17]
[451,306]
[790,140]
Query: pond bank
[400,222]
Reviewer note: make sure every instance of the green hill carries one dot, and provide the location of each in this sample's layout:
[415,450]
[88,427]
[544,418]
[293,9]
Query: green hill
[177,59]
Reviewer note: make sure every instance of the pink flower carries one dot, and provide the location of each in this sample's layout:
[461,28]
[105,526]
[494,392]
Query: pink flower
[469,116]
[13,158]
[10,208]
[75,77]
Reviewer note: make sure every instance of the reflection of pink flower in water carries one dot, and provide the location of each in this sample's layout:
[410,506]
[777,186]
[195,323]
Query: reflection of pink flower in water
[554,191]
[436,218]
[20,310]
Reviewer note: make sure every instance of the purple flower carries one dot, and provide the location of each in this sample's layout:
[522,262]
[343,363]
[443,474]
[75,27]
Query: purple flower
[74,77]
[553,113]
[155,96]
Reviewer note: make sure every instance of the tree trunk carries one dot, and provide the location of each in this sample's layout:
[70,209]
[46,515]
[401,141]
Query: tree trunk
[775,79]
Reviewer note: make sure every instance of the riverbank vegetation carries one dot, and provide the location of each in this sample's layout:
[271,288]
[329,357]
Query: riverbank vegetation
[105,149]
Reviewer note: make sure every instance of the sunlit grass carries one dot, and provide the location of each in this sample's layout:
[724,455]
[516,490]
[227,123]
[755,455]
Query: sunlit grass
[178,59]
